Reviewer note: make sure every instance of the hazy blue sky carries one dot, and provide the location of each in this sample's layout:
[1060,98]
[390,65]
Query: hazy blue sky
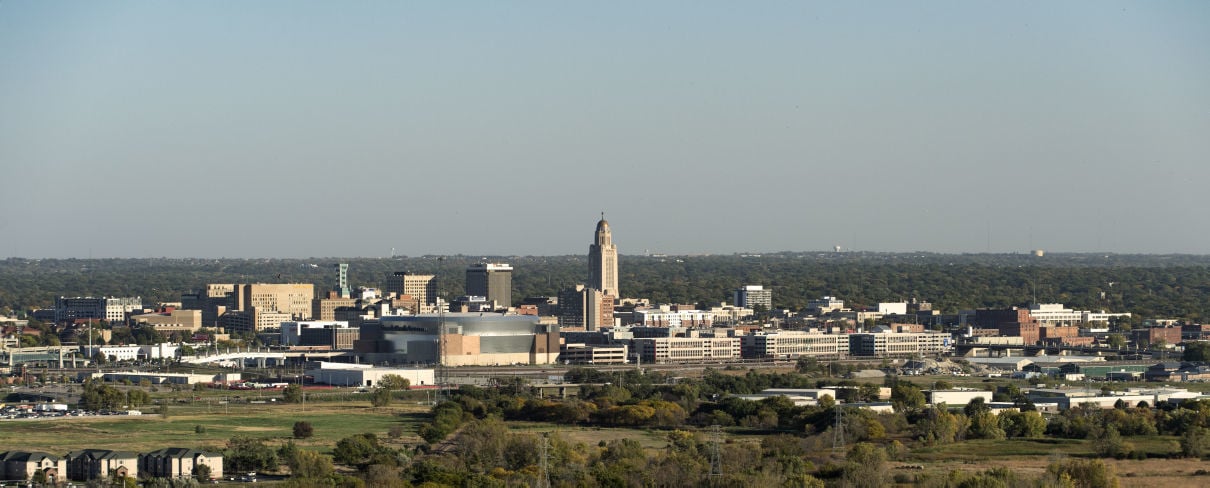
[294,129]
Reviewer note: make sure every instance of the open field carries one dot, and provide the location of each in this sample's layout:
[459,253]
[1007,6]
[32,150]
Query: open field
[1030,457]
[335,420]
[331,422]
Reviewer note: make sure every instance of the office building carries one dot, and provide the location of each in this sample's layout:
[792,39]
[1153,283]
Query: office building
[421,287]
[751,296]
[491,280]
[253,320]
[325,308]
[794,344]
[212,301]
[686,349]
[898,344]
[584,307]
[603,261]
[110,309]
[293,299]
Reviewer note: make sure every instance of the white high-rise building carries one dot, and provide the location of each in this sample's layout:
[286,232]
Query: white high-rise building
[752,295]
[603,261]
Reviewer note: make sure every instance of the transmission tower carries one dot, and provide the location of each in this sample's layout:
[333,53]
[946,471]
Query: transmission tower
[442,375]
[838,429]
[544,474]
[716,458]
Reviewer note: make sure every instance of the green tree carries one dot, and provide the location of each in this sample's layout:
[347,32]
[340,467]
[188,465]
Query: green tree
[380,397]
[1116,341]
[359,449]
[1108,442]
[137,398]
[1081,473]
[97,395]
[1029,424]
[293,393]
[202,472]
[906,397]
[1196,351]
[936,425]
[248,454]
[1195,442]
[303,430]
[865,466]
[394,382]
[305,463]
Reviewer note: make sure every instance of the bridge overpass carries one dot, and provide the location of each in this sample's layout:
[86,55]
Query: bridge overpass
[968,350]
[261,359]
[62,356]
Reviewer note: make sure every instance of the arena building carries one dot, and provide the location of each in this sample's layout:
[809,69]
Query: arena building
[472,339]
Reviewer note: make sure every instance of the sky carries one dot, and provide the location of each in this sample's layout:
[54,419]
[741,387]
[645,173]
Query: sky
[351,129]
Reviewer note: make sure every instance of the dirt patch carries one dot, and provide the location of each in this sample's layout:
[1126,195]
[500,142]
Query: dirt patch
[255,429]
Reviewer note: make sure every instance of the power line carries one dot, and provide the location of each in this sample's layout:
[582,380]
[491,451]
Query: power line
[544,474]
[838,428]
[716,458]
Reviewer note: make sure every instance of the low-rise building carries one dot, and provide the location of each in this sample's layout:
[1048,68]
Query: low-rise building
[673,318]
[101,464]
[958,396]
[898,344]
[794,344]
[179,462]
[1157,336]
[686,349]
[342,374]
[133,353]
[171,320]
[137,377]
[594,354]
[25,465]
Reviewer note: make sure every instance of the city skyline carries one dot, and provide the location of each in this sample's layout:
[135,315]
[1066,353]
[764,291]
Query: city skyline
[136,129]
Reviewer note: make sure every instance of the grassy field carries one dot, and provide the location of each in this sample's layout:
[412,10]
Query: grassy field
[148,432]
[335,420]
[1030,458]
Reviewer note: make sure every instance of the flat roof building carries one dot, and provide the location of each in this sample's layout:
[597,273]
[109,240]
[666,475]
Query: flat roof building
[491,280]
[751,296]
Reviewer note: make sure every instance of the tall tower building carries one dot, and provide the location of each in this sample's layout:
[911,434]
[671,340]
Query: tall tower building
[603,261]
[342,281]
[491,280]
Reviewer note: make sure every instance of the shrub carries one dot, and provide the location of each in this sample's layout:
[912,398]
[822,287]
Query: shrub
[303,430]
